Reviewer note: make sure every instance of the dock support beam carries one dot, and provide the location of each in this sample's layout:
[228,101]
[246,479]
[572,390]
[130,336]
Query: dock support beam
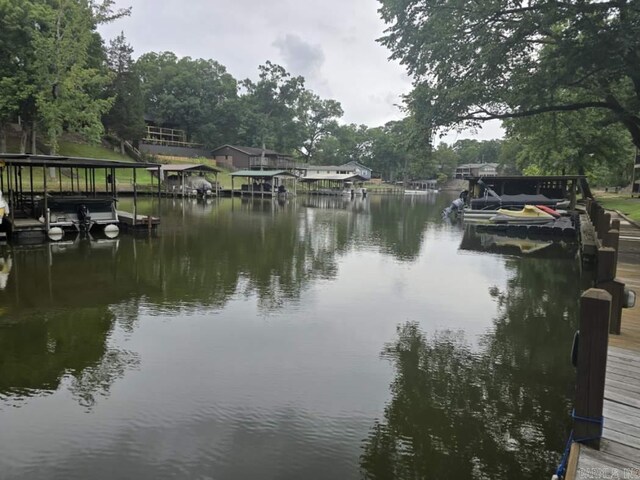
[46,203]
[595,307]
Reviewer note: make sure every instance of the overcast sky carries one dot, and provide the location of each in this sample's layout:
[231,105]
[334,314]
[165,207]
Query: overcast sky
[331,43]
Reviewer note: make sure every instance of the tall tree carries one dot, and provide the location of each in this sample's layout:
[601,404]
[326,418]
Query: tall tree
[574,143]
[66,81]
[17,27]
[190,94]
[126,117]
[345,143]
[272,106]
[318,118]
[474,61]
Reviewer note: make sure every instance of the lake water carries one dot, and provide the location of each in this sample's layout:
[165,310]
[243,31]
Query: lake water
[319,338]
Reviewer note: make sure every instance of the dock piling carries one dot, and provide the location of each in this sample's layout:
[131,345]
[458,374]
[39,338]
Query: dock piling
[595,307]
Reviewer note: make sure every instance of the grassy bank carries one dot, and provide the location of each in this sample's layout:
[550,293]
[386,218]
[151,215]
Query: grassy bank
[629,206]
[73,149]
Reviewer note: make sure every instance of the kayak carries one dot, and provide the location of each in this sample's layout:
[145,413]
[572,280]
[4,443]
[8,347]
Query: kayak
[529,214]
[550,211]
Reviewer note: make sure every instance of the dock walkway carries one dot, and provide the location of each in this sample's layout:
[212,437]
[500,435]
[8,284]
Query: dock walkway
[619,454]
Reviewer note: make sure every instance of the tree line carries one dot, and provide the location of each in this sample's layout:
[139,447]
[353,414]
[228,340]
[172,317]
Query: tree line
[563,76]
[57,74]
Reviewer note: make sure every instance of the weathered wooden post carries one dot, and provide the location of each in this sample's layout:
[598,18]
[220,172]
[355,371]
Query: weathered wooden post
[595,215]
[595,306]
[606,280]
[615,224]
[611,239]
[604,224]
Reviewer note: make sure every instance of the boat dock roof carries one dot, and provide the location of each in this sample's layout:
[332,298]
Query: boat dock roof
[25,159]
[263,173]
[184,167]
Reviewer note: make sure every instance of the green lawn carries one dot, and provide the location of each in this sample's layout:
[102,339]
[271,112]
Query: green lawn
[628,206]
[71,149]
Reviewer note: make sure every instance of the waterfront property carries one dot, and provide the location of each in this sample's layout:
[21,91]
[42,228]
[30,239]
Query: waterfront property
[251,158]
[510,189]
[187,179]
[320,182]
[264,183]
[41,205]
[476,170]
[417,187]
[523,205]
[347,179]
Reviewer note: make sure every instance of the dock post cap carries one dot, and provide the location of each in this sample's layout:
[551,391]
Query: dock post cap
[629,299]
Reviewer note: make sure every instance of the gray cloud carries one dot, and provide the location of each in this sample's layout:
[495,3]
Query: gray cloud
[301,58]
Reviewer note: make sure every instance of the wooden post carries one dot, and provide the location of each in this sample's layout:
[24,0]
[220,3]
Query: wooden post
[606,280]
[606,264]
[604,224]
[611,239]
[159,182]
[615,224]
[135,200]
[595,305]
[46,200]
[595,216]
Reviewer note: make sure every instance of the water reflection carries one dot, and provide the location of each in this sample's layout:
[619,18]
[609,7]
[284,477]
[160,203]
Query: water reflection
[243,339]
[503,244]
[60,301]
[5,269]
[494,410]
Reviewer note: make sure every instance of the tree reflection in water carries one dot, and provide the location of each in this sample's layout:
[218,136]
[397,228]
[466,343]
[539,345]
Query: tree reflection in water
[498,410]
[41,352]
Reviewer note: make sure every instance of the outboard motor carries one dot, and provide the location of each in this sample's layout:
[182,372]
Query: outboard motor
[456,206]
[84,218]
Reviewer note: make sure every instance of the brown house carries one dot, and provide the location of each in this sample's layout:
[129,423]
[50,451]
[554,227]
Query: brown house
[250,158]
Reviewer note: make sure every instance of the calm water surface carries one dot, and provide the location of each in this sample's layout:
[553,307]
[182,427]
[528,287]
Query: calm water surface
[319,339]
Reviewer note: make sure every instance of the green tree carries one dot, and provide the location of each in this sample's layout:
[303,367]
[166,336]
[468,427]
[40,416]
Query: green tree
[345,143]
[67,82]
[581,142]
[318,118]
[190,94]
[475,61]
[17,27]
[271,107]
[446,159]
[126,117]
[507,160]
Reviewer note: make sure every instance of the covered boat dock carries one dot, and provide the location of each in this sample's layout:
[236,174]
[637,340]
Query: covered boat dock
[43,204]
[517,188]
[264,183]
[187,179]
[334,183]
